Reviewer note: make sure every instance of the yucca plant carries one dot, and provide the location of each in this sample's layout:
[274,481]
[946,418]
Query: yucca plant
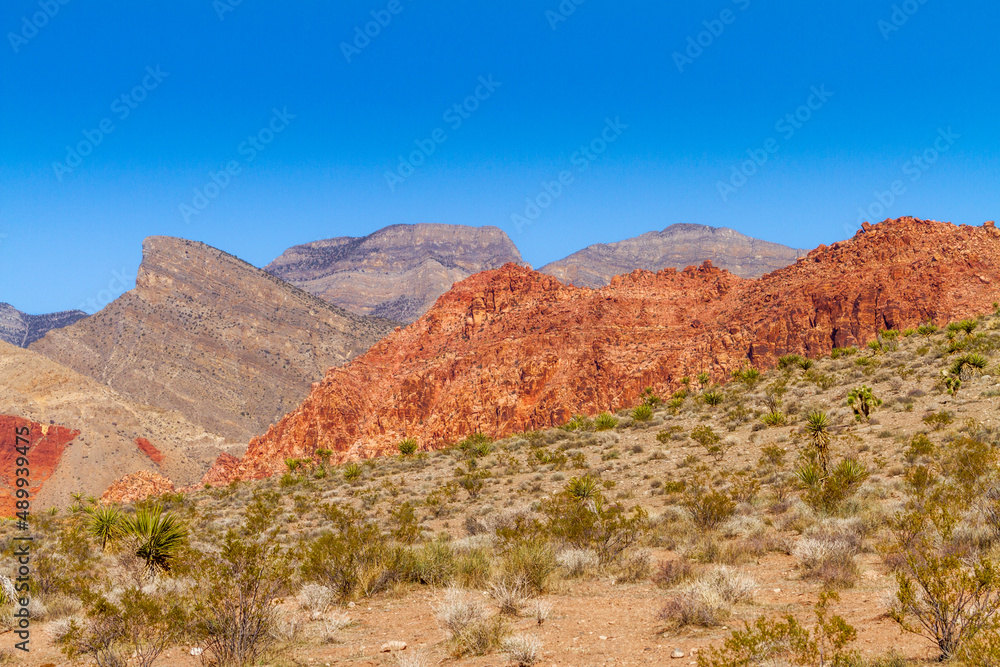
[583,488]
[712,397]
[407,446]
[157,536]
[605,422]
[352,471]
[818,428]
[773,418]
[642,413]
[106,524]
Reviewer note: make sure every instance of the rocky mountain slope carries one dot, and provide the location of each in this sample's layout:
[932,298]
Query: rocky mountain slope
[676,246]
[397,272]
[227,345]
[511,349]
[85,435]
[21,329]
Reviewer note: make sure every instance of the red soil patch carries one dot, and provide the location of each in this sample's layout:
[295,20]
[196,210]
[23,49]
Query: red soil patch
[147,448]
[45,443]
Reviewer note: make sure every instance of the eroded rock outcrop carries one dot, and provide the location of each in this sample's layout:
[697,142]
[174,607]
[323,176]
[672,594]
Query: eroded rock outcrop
[137,486]
[45,443]
[512,349]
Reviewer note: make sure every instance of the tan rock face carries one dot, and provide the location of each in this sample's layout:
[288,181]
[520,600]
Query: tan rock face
[111,430]
[397,272]
[677,246]
[228,345]
[137,486]
[512,349]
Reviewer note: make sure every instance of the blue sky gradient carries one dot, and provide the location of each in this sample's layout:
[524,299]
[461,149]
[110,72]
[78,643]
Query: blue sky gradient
[250,126]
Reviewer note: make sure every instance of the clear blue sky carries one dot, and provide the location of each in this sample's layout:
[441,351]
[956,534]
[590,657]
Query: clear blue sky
[65,231]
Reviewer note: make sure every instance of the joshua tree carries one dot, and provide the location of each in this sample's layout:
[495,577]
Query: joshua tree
[863,401]
[818,428]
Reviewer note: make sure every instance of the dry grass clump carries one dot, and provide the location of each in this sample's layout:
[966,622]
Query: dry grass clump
[577,562]
[474,631]
[708,601]
[636,567]
[315,598]
[829,559]
[511,594]
[524,650]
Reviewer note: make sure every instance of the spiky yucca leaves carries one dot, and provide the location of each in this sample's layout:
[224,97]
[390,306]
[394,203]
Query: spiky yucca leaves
[158,536]
[583,488]
[106,524]
[407,446]
[605,421]
[818,428]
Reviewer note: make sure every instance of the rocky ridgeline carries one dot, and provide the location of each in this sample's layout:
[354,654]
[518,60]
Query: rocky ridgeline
[397,272]
[512,349]
[230,346]
[21,329]
[677,246]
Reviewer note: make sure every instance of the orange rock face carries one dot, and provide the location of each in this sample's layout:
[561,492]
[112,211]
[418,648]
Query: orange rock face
[147,448]
[45,447]
[512,349]
[137,486]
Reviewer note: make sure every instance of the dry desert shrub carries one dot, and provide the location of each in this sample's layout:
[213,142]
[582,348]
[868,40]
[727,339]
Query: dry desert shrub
[577,562]
[708,601]
[828,559]
[524,650]
[474,631]
[315,598]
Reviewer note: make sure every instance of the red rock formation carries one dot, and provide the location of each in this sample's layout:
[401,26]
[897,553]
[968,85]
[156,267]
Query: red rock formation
[137,486]
[45,447]
[147,448]
[224,470]
[511,349]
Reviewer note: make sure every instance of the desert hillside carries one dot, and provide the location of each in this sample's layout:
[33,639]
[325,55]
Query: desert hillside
[628,538]
[513,349]
[229,346]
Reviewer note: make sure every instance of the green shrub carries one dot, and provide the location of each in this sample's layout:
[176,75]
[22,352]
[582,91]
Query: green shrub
[605,422]
[712,397]
[154,537]
[788,642]
[862,401]
[828,492]
[407,446]
[433,564]
[136,630]
[839,352]
[938,420]
[594,523]
[642,413]
[352,471]
[773,418]
[747,375]
[708,508]
[354,558]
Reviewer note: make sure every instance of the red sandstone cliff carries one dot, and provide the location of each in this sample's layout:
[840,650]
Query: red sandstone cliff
[512,349]
[45,448]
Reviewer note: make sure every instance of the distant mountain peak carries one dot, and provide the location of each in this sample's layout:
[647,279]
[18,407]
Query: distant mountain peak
[677,246]
[21,329]
[397,272]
